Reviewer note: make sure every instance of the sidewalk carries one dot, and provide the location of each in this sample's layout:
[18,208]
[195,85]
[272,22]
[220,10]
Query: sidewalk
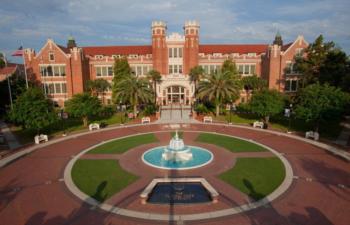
[10,138]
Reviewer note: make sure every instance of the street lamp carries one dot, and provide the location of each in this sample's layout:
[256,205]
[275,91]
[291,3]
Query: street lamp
[288,113]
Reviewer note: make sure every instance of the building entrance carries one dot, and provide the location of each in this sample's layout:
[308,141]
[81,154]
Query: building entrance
[176,95]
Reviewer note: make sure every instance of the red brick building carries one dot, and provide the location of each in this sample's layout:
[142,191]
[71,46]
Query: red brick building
[63,71]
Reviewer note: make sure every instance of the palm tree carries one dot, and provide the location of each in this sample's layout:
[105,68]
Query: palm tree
[219,87]
[98,86]
[155,77]
[196,74]
[134,91]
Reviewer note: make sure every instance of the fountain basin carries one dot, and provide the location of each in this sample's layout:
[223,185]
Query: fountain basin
[197,157]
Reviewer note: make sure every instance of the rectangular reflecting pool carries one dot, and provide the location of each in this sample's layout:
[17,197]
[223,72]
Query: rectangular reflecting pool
[179,193]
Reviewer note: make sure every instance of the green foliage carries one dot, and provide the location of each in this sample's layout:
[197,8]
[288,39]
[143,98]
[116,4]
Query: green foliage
[316,55]
[267,103]
[18,86]
[201,108]
[100,179]
[121,69]
[150,109]
[230,143]
[98,86]
[2,61]
[155,77]
[122,145]
[196,74]
[254,83]
[32,110]
[133,91]
[336,70]
[83,106]
[230,67]
[317,103]
[219,88]
[257,177]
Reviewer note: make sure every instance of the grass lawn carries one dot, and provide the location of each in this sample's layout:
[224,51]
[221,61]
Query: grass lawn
[124,144]
[230,143]
[100,179]
[257,177]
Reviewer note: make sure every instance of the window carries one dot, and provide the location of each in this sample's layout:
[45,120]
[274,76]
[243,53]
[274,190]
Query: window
[104,71]
[175,52]
[180,52]
[291,85]
[51,56]
[299,52]
[145,70]
[291,68]
[110,71]
[180,68]
[240,69]
[252,54]
[252,69]
[138,71]
[246,69]
[170,52]
[55,88]
[170,69]
[58,88]
[52,70]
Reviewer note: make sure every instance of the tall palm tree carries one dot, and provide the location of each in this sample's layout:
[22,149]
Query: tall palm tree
[196,74]
[134,91]
[219,87]
[155,77]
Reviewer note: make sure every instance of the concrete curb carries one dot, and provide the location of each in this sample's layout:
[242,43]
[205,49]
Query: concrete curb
[165,217]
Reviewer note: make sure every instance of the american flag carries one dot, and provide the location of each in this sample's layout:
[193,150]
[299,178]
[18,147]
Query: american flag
[18,52]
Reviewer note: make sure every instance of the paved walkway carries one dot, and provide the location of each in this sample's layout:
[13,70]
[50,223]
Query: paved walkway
[32,190]
[10,138]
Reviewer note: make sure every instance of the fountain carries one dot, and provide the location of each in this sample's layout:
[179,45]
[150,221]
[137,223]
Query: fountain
[177,151]
[177,156]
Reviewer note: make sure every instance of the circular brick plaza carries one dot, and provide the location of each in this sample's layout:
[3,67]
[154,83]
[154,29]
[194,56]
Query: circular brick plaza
[33,190]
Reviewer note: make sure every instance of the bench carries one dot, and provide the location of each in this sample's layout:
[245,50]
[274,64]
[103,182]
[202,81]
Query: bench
[312,134]
[258,124]
[207,119]
[40,138]
[145,120]
[94,126]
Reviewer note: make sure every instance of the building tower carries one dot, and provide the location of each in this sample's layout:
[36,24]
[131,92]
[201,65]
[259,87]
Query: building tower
[159,48]
[191,47]
[278,39]
[71,42]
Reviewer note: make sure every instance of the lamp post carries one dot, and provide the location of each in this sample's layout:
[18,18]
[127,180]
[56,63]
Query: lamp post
[288,113]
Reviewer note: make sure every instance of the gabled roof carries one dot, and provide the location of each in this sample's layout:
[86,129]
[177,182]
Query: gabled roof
[117,50]
[227,49]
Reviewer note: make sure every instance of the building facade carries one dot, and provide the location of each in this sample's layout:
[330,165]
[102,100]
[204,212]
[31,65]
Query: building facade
[64,70]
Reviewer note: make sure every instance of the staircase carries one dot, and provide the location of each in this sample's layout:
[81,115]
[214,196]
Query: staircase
[175,114]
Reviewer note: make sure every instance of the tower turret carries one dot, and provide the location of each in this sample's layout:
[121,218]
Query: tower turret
[191,47]
[159,48]
[71,42]
[278,39]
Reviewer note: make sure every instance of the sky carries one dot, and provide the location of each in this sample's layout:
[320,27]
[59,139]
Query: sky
[126,22]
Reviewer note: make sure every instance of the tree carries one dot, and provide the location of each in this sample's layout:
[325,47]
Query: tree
[230,67]
[196,74]
[336,70]
[98,86]
[219,88]
[267,103]
[2,60]
[253,83]
[121,69]
[155,77]
[317,103]
[316,54]
[32,110]
[83,106]
[133,91]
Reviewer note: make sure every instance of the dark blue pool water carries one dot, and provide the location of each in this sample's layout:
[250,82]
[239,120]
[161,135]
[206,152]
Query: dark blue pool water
[179,193]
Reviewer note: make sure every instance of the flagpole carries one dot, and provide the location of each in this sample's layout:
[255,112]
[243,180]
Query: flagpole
[24,64]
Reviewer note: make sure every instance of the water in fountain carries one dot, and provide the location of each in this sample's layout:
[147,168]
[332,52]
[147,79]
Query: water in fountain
[177,151]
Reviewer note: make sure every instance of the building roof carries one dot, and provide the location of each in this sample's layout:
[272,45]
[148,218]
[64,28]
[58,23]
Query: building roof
[64,49]
[227,49]
[9,69]
[117,50]
[285,47]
